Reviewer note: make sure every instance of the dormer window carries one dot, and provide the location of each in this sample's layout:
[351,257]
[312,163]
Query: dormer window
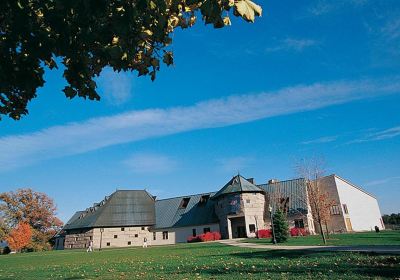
[204,199]
[184,202]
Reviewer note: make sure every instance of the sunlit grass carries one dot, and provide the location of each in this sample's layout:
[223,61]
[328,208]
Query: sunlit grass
[197,261]
[345,239]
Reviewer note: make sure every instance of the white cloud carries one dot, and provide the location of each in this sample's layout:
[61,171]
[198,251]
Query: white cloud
[382,181]
[323,7]
[150,163]
[380,135]
[96,133]
[391,31]
[291,44]
[115,87]
[326,139]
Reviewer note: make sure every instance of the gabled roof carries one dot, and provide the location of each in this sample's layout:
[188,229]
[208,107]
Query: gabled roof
[170,213]
[122,208]
[237,184]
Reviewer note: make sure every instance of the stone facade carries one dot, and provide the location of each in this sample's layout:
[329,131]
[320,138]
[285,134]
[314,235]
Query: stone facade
[132,236]
[241,215]
[78,239]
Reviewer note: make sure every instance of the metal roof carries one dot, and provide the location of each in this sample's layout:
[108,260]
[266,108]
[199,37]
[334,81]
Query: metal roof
[295,190]
[169,212]
[122,208]
[237,184]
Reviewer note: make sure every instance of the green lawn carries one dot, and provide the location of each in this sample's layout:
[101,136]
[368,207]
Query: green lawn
[364,238]
[198,261]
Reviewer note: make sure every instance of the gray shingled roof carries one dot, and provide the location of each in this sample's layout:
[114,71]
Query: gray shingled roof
[237,184]
[122,208]
[169,214]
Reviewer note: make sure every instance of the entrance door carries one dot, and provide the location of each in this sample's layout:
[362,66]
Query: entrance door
[348,224]
[241,231]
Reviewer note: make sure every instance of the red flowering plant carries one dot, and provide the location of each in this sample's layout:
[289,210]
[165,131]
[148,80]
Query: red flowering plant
[264,233]
[208,236]
[298,232]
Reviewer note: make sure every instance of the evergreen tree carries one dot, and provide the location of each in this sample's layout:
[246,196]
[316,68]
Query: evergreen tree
[281,227]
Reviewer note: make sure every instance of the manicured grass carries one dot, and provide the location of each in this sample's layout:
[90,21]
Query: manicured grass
[198,261]
[362,238]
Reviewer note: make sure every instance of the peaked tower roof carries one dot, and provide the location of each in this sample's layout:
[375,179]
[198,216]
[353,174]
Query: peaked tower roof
[237,184]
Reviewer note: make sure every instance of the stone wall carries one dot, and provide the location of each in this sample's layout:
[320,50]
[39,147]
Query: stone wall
[120,236]
[251,206]
[254,208]
[78,239]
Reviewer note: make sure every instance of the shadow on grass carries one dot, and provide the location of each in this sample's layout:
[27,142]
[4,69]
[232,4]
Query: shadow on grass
[384,266]
[313,263]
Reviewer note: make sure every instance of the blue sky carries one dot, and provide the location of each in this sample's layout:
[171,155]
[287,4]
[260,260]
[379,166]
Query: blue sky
[309,78]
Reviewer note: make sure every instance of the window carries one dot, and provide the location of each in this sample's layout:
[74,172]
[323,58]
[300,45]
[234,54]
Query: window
[206,229]
[108,244]
[142,228]
[184,202]
[335,210]
[204,199]
[76,238]
[70,246]
[346,211]
[90,237]
[129,243]
[115,236]
[165,235]
[194,232]
[154,235]
[136,235]
[252,228]
[247,200]
[299,223]
[122,229]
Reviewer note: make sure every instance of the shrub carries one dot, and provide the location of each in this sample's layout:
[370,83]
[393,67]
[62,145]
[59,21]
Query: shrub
[298,232]
[192,239]
[264,233]
[217,235]
[281,227]
[209,236]
[6,250]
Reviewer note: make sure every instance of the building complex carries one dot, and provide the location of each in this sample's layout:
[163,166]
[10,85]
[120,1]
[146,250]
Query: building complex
[238,209]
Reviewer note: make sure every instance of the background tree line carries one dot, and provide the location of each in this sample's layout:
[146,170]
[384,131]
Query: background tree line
[392,219]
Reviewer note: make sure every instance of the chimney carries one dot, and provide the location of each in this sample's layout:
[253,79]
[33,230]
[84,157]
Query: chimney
[251,180]
[273,181]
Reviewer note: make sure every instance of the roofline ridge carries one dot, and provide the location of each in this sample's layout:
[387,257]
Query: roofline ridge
[281,181]
[190,195]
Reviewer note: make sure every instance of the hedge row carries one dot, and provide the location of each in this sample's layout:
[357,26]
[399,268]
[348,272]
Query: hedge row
[209,236]
[267,233]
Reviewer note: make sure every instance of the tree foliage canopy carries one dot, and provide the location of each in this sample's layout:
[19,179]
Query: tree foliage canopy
[20,236]
[88,35]
[33,208]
